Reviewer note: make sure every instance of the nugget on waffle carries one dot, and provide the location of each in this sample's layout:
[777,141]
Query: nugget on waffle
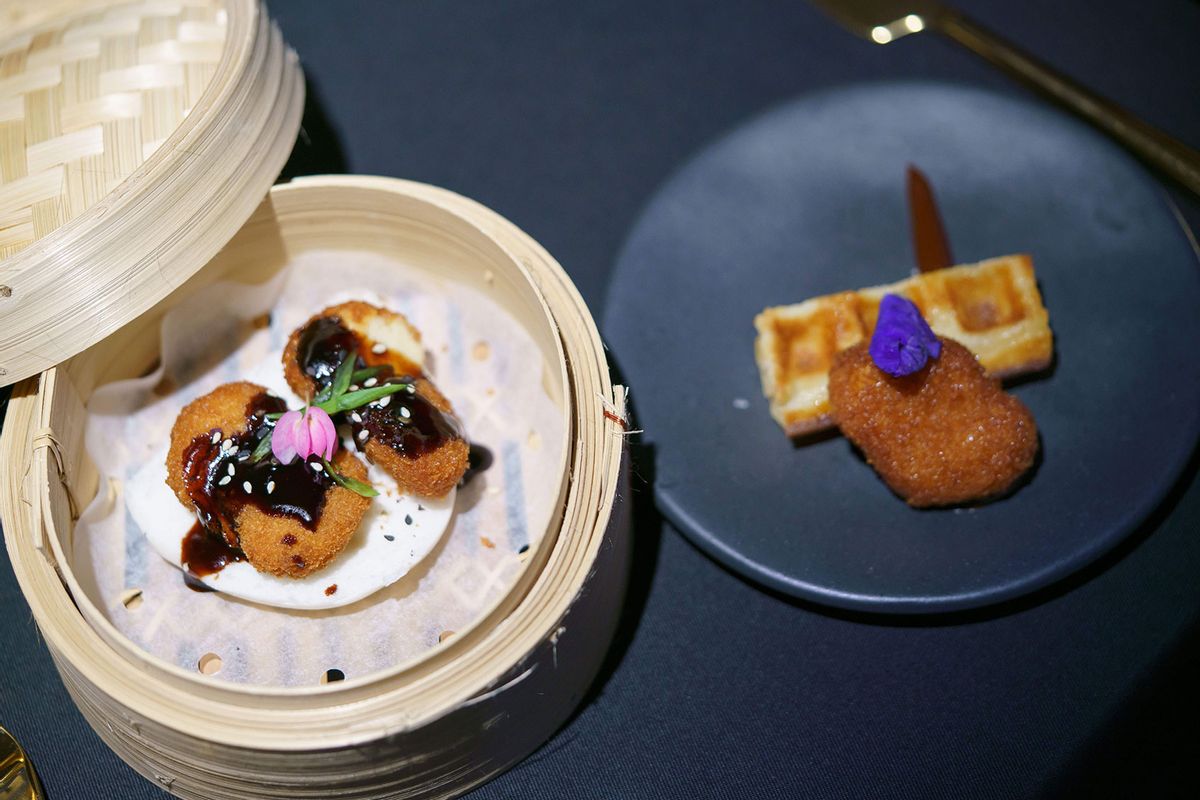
[993,308]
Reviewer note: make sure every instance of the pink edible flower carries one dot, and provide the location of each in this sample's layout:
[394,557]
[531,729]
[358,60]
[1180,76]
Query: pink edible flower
[298,434]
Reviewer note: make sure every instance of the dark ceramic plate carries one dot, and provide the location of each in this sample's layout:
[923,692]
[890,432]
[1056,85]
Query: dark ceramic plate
[809,199]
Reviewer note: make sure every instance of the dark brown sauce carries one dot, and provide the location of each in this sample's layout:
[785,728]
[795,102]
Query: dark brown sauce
[204,554]
[406,421]
[409,423]
[195,584]
[324,344]
[294,490]
[930,245]
[479,459]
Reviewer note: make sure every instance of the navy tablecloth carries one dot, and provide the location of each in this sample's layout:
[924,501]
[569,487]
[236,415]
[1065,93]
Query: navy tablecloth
[565,117]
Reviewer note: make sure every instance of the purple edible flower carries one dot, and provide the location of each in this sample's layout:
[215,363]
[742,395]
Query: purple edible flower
[902,342]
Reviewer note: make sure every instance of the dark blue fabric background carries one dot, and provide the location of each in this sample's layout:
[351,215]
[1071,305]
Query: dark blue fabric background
[565,117]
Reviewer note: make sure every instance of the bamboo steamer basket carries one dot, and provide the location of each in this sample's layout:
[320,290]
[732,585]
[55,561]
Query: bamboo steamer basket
[432,727]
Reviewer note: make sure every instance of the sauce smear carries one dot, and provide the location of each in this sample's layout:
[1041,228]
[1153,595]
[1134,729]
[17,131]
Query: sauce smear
[221,480]
[406,421]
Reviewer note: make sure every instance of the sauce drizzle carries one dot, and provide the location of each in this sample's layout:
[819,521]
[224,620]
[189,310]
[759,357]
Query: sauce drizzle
[407,421]
[479,459]
[221,480]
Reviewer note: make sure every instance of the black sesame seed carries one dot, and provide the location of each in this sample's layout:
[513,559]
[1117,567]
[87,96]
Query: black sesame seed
[523,549]
[389,537]
[408,519]
[420,507]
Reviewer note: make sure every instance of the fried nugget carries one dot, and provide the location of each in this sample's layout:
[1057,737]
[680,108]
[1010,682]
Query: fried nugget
[281,545]
[381,338]
[272,537]
[945,435]
[432,473]
[222,410]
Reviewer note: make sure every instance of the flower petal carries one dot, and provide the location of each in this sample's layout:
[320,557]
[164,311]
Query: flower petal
[283,444]
[324,433]
[902,342]
[302,437]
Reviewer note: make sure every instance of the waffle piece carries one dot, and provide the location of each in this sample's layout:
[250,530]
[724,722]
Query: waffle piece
[993,308]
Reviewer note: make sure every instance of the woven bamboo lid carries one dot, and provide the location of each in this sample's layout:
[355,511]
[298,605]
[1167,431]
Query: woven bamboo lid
[135,139]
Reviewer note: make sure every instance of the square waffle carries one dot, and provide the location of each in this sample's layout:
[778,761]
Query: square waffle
[993,308]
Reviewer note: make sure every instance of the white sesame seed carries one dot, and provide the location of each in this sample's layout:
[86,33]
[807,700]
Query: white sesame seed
[317,467]
[353,387]
[227,444]
[383,402]
[379,348]
[412,389]
[354,415]
[224,481]
[231,470]
[363,434]
[246,485]
[216,437]
[270,486]
[404,412]
[369,382]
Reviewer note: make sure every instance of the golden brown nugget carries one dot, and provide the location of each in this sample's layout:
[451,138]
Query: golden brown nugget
[425,451]
[281,545]
[292,519]
[224,410]
[992,308]
[944,435]
[378,336]
[432,473]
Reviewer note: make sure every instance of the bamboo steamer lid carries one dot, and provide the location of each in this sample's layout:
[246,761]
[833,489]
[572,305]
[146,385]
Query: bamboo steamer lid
[135,139]
[112,258]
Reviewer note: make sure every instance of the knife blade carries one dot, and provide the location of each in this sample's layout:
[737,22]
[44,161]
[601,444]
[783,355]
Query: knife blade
[931,248]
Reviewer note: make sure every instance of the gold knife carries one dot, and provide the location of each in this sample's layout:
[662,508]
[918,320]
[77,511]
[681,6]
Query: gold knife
[18,781]
[885,21]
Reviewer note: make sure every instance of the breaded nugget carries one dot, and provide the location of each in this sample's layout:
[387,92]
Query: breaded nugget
[425,456]
[944,435]
[221,410]
[289,520]
[431,473]
[372,329]
[992,308]
[281,545]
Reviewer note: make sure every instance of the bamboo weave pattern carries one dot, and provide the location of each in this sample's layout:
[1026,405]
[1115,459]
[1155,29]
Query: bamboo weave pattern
[84,103]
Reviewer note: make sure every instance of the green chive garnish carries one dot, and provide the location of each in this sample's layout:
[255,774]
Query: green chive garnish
[356,486]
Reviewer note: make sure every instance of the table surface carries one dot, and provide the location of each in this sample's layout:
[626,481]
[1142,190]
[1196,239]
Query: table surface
[565,118]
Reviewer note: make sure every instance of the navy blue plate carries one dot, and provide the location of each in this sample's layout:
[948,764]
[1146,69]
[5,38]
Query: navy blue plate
[809,199]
